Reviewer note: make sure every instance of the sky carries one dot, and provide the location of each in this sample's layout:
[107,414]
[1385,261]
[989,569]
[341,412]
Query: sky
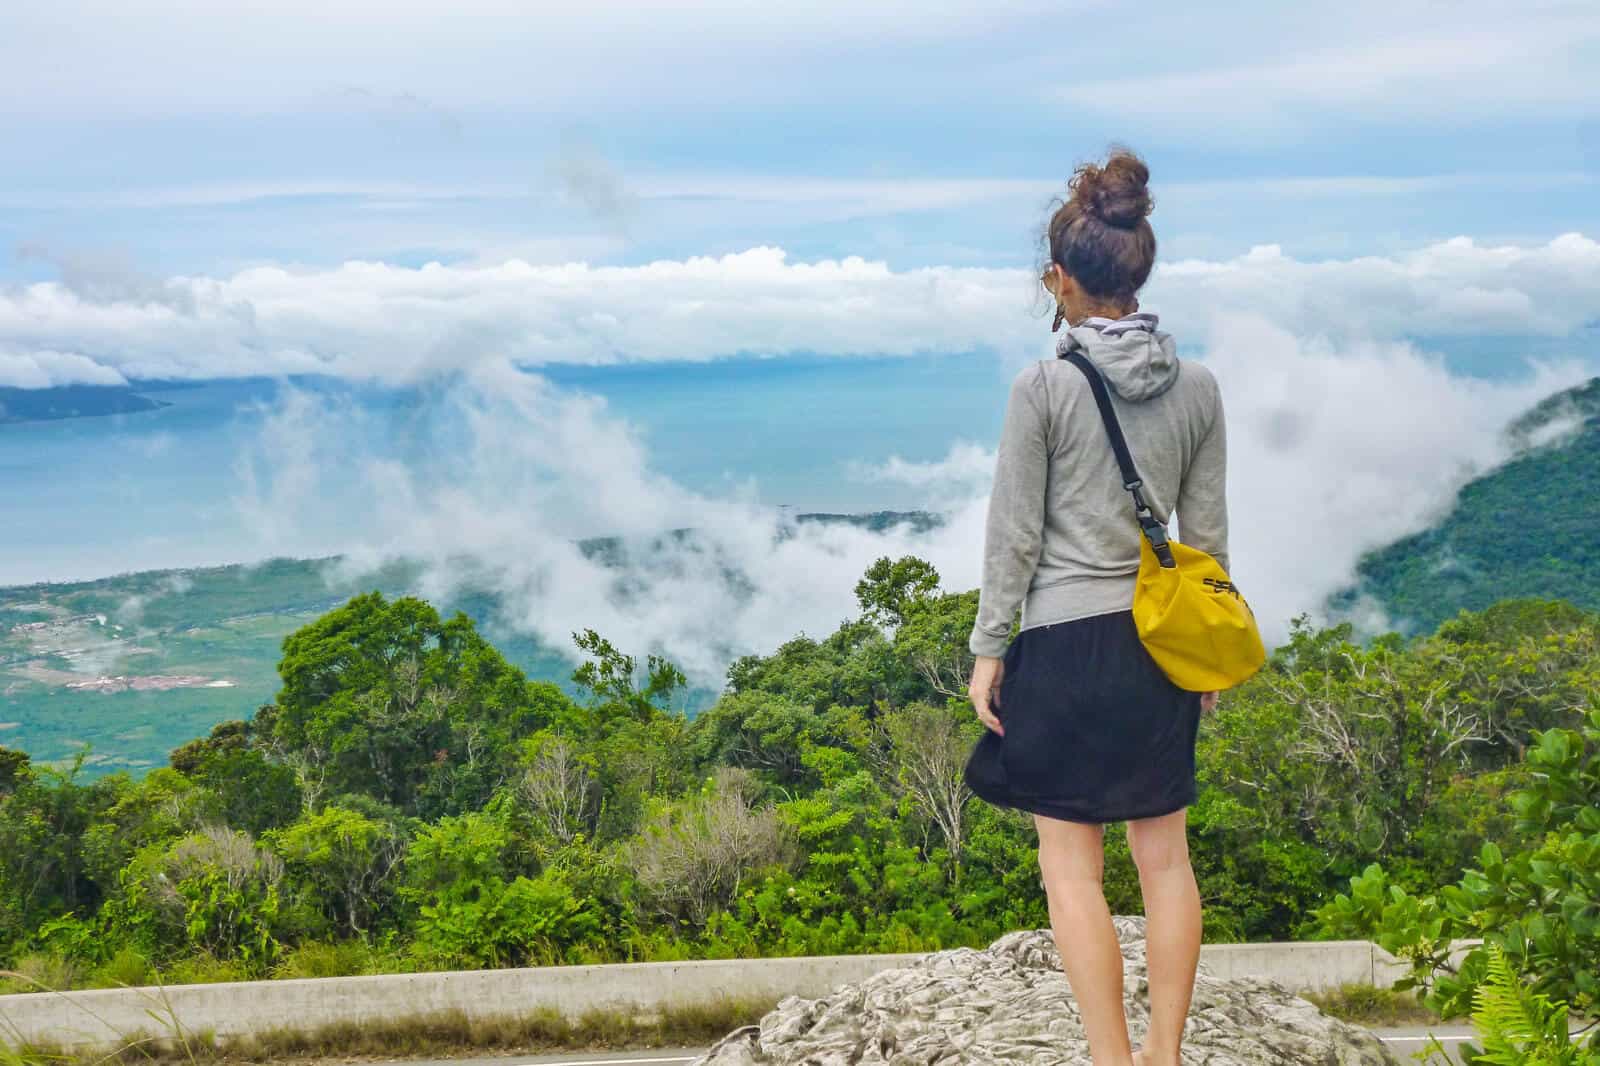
[1378,223]
[173,137]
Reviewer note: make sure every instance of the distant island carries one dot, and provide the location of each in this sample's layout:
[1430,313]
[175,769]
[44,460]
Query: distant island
[70,401]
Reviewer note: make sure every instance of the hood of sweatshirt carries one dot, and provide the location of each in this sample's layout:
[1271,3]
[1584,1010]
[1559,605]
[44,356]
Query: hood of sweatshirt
[1137,360]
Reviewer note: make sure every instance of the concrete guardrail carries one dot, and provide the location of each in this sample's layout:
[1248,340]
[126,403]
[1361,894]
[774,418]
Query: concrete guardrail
[109,1017]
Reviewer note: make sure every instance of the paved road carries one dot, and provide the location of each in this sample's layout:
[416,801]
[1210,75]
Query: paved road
[1402,1041]
[660,1056]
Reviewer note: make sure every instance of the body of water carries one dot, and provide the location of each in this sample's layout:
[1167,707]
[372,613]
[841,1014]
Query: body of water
[86,497]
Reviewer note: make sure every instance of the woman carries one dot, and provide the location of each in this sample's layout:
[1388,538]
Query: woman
[1084,728]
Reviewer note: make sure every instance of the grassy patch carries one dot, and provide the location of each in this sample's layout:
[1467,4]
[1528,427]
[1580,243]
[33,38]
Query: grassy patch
[1370,1005]
[39,972]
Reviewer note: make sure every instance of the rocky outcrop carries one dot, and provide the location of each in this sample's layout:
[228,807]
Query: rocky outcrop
[1010,1003]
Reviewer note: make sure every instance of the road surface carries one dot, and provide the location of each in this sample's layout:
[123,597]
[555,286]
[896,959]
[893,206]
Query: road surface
[1402,1041]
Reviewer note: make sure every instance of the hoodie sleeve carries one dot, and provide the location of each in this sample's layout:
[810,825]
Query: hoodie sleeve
[1014,532]
[1203,496]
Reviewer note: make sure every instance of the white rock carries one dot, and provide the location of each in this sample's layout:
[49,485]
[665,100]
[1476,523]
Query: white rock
[1010,1003]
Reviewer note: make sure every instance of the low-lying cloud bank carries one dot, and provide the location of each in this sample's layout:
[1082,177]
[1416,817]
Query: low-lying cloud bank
[523,471]
[375,321]
[1335,451]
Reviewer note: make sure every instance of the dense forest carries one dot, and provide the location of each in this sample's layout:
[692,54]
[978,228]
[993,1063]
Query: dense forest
[412,801]
[1530,527]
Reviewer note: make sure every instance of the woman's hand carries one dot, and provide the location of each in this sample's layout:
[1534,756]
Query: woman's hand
[984,691]
[1208,702]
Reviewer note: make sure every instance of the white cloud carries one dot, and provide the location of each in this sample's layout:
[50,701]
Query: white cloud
[519,472]
[846,197]
[376,321]
[1337,449]
[44,367]
[82,57]
[488,55]
[967,466]
[573,169]
[1451,288]
[1479,63]
[1373,186]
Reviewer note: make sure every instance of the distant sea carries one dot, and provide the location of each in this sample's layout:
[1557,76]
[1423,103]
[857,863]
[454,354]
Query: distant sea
[87,497]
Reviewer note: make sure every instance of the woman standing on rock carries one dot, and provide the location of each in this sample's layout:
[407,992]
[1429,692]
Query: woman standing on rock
[1084,727]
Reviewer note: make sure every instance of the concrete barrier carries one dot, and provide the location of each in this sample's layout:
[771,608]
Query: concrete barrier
[108,1017]
[103,1017]
[1301,966]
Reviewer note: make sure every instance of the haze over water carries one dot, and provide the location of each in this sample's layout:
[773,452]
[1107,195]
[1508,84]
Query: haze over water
[88,497]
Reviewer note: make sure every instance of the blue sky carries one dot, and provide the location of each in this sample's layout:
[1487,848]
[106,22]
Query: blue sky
[195,139]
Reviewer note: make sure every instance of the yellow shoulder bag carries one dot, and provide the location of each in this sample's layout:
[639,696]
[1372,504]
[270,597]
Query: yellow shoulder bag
[1190,616]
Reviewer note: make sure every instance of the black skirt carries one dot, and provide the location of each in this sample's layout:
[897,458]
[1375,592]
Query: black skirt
[1094,731]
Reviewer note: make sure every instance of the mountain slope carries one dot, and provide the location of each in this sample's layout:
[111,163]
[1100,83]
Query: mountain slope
[1530,527]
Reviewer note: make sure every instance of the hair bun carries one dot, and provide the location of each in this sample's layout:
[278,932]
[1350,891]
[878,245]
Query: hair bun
[1117,193]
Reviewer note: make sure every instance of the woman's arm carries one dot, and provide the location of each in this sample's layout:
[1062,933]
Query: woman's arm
[1014,532]
[1203,502]
[1203,496]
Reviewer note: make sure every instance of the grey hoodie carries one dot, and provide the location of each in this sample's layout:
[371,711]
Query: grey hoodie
[1061,540]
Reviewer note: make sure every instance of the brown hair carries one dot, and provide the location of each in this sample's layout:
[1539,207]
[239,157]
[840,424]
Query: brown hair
[1101,235]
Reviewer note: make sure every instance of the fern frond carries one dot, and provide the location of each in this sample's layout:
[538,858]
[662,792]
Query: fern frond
[1519,1027]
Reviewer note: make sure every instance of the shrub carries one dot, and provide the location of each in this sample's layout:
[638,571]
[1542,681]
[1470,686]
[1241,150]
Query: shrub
[692,857]
[1536,910]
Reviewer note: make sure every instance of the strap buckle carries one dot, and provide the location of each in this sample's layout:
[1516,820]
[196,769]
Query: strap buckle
[1156,533]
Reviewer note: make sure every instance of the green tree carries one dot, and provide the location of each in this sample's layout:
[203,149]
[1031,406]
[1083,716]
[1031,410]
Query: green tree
[627,732]
[932,642]
[341,862]
[763,732]
[612,680]
[254,792]
[14,768]
[163,807]
[891,588]
[43,818]
[389,700]
[473,911]
[214,891]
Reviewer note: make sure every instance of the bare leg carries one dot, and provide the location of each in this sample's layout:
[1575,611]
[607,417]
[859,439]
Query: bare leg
[1072,860]
[1160,848]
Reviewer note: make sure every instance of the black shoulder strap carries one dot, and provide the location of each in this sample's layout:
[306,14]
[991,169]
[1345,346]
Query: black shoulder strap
[1153,529]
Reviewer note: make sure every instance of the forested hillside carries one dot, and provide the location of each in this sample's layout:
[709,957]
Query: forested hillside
[1528,528]
[412,800]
